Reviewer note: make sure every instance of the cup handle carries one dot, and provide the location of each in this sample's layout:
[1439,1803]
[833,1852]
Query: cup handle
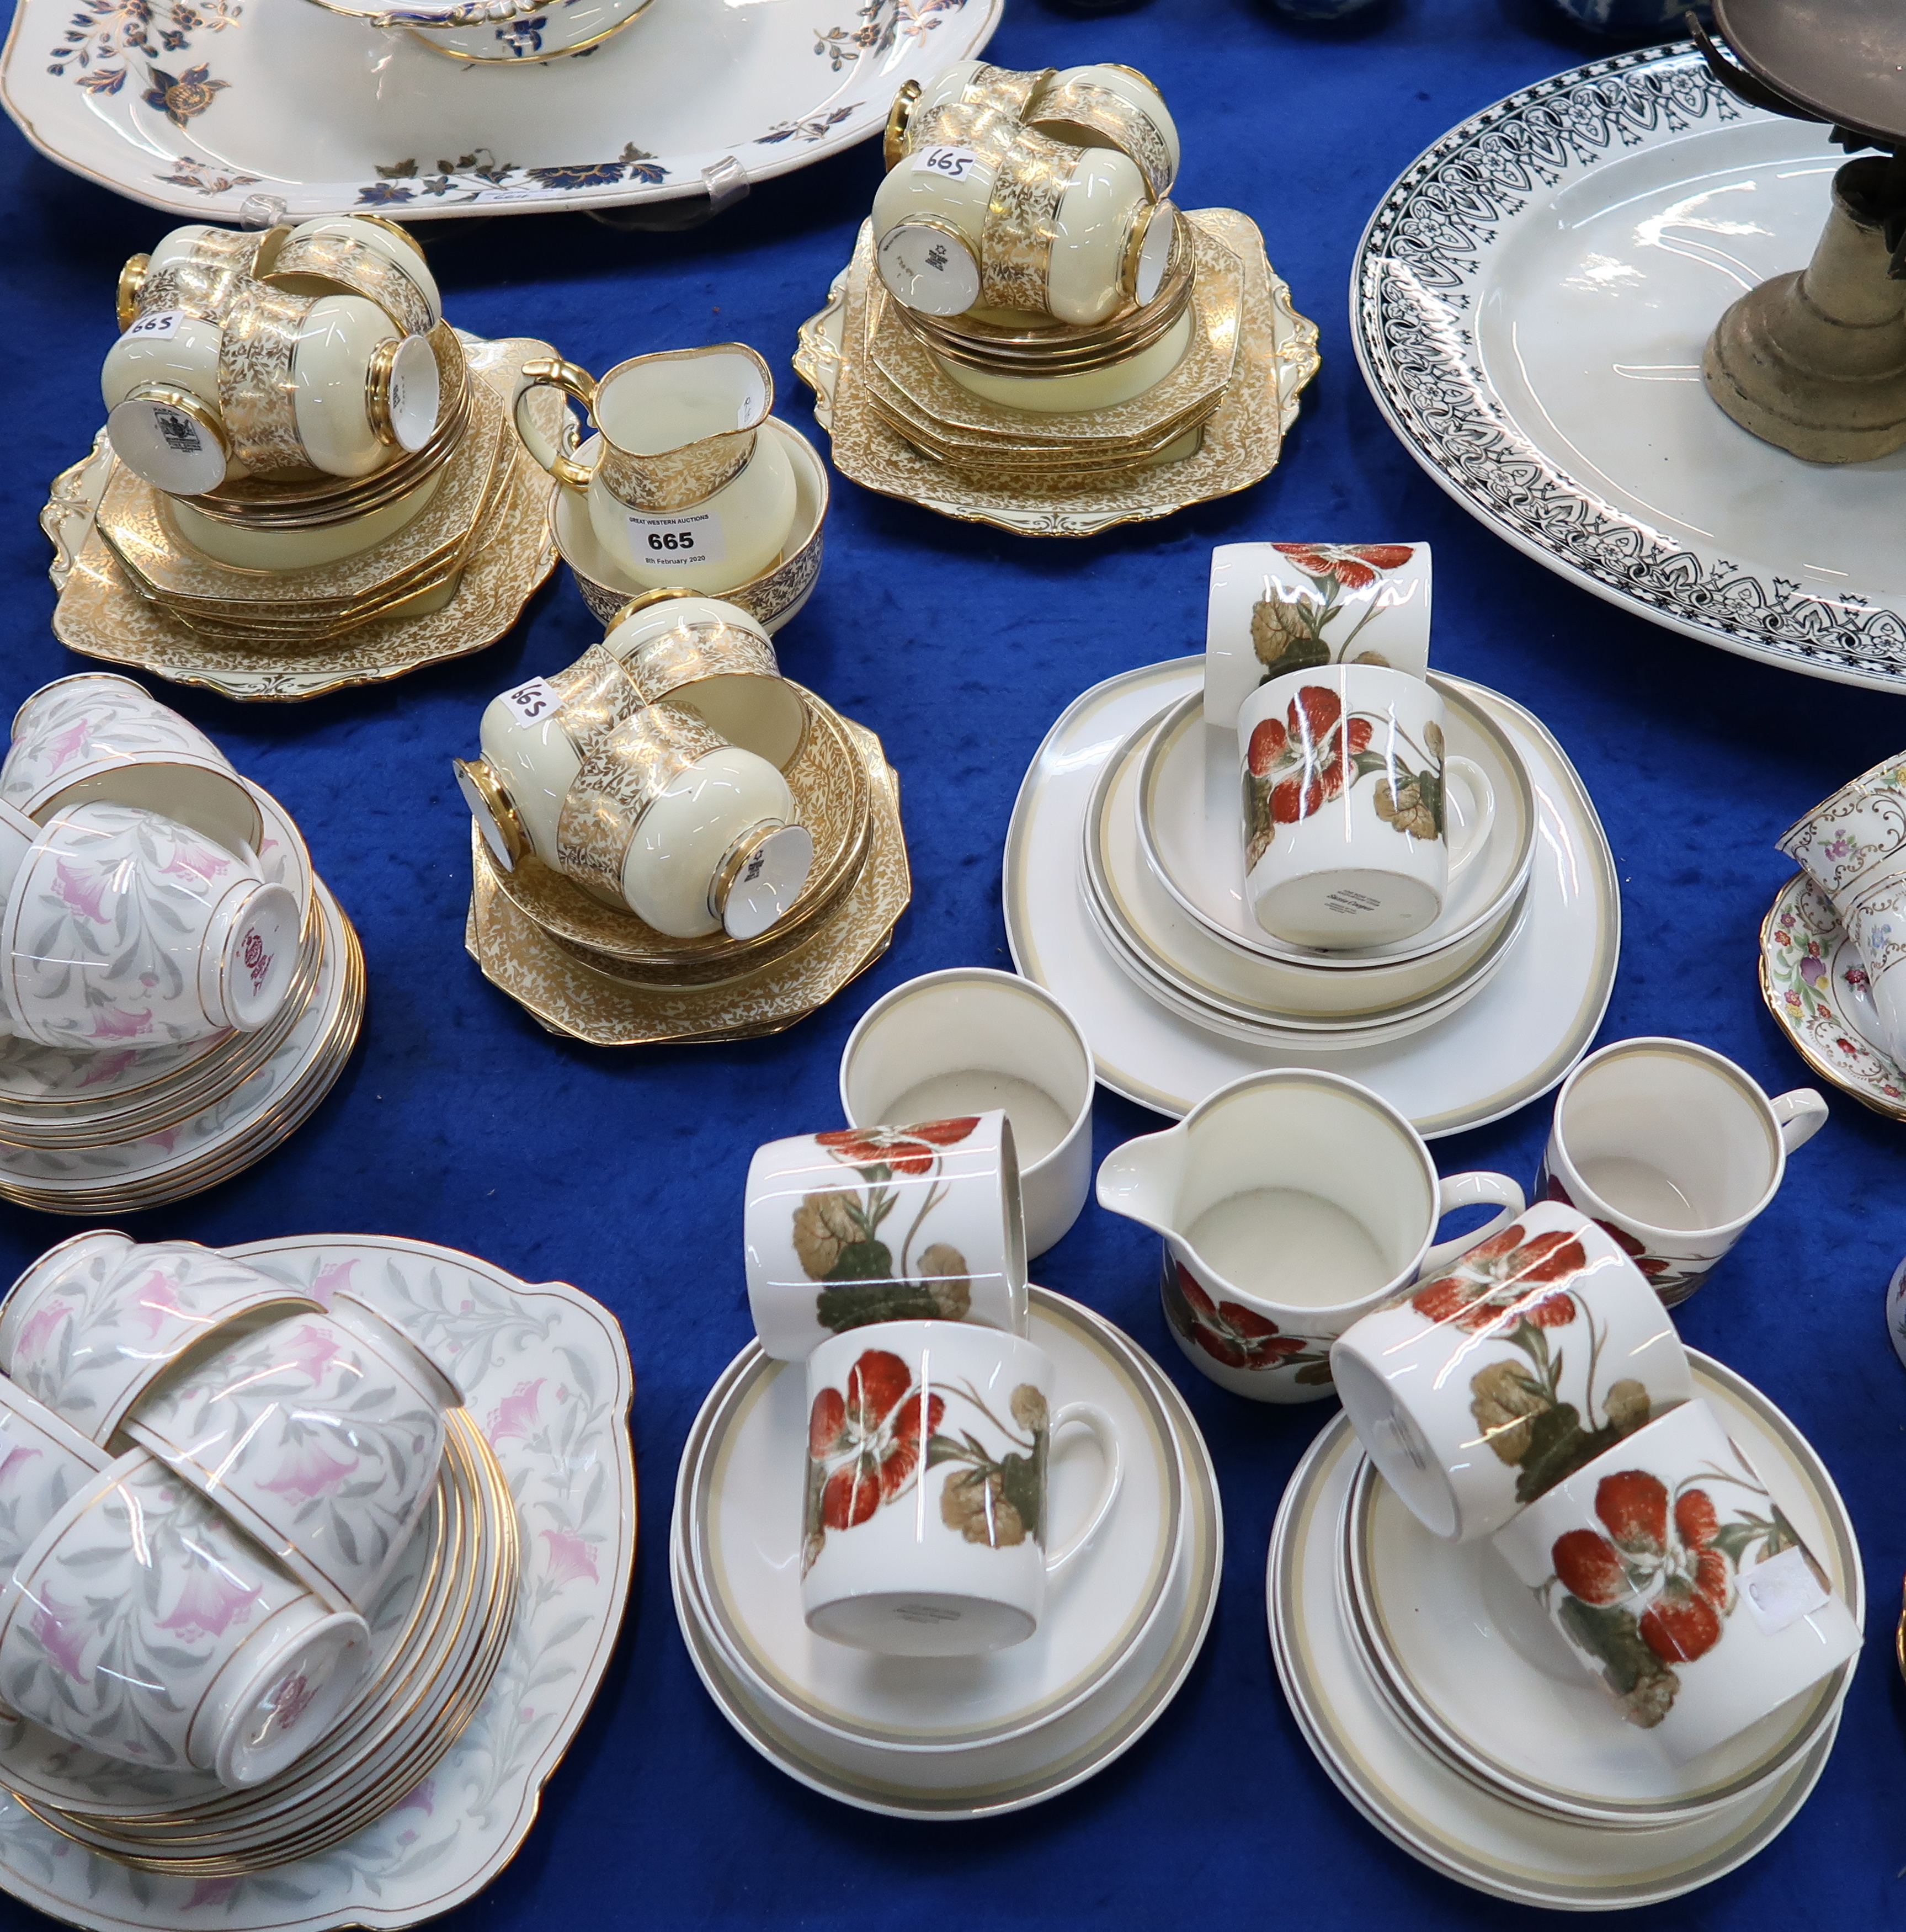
[1481,816]
[1799,1115]
[1092,1417]
[552,372]
[1467,1190]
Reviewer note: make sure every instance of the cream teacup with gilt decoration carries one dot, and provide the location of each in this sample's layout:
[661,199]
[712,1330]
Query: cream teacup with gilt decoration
[1347,843]
[685,491]
[860,1225]
[1106,105]
[927,1528]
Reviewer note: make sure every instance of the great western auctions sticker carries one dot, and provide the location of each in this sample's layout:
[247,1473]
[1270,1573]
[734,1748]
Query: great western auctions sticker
[949,163]
[693,536]
[159,326]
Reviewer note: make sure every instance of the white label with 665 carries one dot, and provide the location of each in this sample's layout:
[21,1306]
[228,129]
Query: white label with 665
[690,537]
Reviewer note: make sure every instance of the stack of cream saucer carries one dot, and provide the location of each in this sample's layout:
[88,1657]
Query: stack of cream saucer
[1442,1703]
[114,1131]
[1165,897]
[954,1737]
[595,972]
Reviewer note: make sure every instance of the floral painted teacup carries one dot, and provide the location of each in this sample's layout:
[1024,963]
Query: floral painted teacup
[319,1443]
[126,929]
[1849,841]
[79,725]
[964,1415]
[95,1321]
[1672,1149]
[141,1623]
[44,1463]
[1291,1203]
[1277,607]
[861,1225]
[1346,841]
[1679,1584]
[1527,1356]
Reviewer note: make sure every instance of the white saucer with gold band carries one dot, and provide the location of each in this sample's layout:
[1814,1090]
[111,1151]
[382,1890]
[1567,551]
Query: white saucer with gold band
[1512,1779]
[950,1737]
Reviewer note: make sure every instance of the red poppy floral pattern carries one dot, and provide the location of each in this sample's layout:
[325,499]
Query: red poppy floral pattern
[864,1446]
[1515,1286]
[1652,1588]
[1673,1282]
[899,1149]
[1290,633]
[1238,1336]
[1295,766]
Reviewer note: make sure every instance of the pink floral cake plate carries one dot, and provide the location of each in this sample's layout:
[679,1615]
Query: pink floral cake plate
[546,1372]
[1814,983]
[1447,1820]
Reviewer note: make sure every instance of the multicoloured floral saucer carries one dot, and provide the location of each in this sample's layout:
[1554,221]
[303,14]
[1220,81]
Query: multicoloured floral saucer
[1815,984]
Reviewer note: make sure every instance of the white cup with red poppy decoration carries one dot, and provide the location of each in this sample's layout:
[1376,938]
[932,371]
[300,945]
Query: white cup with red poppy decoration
[1673,1150]
[1292,1203]
[1679,1584]
[860,1224]
[1277,607]
[1529,1354]
[1349,841]
[141,1623]
[926,1529]
[973,1037]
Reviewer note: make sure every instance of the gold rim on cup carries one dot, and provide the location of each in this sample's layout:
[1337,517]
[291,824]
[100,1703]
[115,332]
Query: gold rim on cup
[1089,105]
[342,262]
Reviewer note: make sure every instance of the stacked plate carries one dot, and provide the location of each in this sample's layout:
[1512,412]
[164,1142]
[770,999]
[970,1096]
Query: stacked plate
[1163,881]
[110,1132]
[954,1737]
[597,973]
[1436,1695]
[439,1629]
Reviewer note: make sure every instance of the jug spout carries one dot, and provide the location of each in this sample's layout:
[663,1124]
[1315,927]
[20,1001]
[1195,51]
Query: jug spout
[1142,1179]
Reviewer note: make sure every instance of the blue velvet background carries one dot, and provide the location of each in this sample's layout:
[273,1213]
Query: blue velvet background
[460,1121]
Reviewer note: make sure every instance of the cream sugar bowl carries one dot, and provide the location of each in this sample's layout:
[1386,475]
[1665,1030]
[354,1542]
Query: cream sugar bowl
[685,490]
[986,215]
[140,1623]
[125,928]
[281,383]
[645,806]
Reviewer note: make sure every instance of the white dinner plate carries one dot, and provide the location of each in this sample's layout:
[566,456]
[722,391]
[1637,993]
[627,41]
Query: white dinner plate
[1529,303]
[279,97]
[1471,1663]
[1516,1040]
[1436,1815]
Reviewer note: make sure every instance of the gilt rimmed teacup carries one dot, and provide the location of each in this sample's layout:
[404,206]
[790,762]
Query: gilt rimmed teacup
[321,1445]
[1680,1585]
[126,929]
[926,1529]
[44,1463]
[860,1225]
[1518,1360]
[1347,843]
[972,1038]
[349,255]
[684,490]
[1850,840]
[141,1623]
[78,725]
[1673,1150]
[1107,105]
[196,269]
[97,1321]
[716,659]
[1291,1203]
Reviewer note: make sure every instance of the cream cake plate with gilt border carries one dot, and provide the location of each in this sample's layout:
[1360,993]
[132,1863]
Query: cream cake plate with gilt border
[1449,1821]
[1276,354]
[570,997]
[545,1372]
[1814,983]
[196,107]
[100,614]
